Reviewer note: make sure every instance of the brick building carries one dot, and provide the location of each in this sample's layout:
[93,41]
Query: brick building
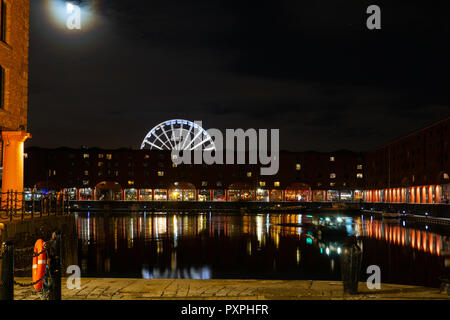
[303,176]
[414,168]
[14,41]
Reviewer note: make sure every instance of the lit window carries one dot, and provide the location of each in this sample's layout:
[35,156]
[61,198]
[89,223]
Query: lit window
[100,164]
[249,174]
[25,155]
[332,159]
[174,165]
[160,173]
[130,182]
[359,167]
[332,175]
[54,172]
[204,183]
[116,173]
[85,182]
[147,156]
[446,176]
[86,173]
[276,183]
[262,183]
[86,156]
[298,167]
[332,184]
[100,156]
[219,184]
[319,184]
[344,184]
[109,156]
[359,175]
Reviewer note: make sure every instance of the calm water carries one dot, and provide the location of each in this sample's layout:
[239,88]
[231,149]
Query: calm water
[269,246]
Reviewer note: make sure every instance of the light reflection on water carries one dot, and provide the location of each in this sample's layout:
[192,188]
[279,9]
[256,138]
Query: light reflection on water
[270,246]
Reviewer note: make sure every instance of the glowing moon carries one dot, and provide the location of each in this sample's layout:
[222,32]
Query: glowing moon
[59,11]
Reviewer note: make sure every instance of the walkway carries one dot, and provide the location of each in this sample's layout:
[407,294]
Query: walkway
[157,289]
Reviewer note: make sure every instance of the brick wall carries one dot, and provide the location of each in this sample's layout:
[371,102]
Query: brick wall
[14,61]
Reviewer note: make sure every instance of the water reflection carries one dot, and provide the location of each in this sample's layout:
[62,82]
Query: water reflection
[422,240]
[270,246]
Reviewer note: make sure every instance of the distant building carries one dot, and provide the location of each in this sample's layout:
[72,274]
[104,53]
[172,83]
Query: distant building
[147,174]
[414,168]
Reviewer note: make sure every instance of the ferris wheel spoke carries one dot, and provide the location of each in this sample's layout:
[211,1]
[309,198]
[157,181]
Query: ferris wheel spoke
[152,144]
[172,147]
[157,137]
[165,133]
[193,140]
[172,130]
[188,135]
[199,144]
[181,135]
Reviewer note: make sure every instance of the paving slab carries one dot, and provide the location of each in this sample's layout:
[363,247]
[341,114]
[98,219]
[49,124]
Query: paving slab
[174,289]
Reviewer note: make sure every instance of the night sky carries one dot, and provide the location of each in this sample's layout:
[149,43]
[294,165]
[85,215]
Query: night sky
[310,68]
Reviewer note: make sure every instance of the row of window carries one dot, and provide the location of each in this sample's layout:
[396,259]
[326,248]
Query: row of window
[161,173]
[109,156]
[219,183]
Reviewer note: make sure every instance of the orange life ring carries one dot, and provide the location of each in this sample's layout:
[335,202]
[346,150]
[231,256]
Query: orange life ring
[39,264]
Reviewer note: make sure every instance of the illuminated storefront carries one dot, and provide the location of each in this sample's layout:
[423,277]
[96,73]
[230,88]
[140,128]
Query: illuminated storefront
[262,195]
[160,195]
[298,192]
[332,195]
[276,195]
[145,195]
[204,195]
[431,194]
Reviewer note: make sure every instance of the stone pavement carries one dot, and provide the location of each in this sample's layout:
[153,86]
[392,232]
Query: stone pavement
[172,289]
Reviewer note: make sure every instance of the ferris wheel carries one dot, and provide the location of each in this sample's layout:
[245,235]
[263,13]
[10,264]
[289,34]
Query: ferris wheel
[178,135]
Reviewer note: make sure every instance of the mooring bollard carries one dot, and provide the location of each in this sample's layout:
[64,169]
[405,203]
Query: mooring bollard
[351,266]
[7,272]
[55,268]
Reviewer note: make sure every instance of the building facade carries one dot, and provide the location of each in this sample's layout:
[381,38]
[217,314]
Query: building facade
[411,169]
[126,174]
[14,34]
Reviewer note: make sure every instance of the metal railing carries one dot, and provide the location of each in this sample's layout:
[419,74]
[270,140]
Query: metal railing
[16,205]
[51,279]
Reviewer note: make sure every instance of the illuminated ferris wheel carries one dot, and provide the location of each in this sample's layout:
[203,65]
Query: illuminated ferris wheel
[178,135]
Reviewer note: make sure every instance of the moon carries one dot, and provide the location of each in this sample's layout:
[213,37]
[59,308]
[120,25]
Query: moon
[58,14]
